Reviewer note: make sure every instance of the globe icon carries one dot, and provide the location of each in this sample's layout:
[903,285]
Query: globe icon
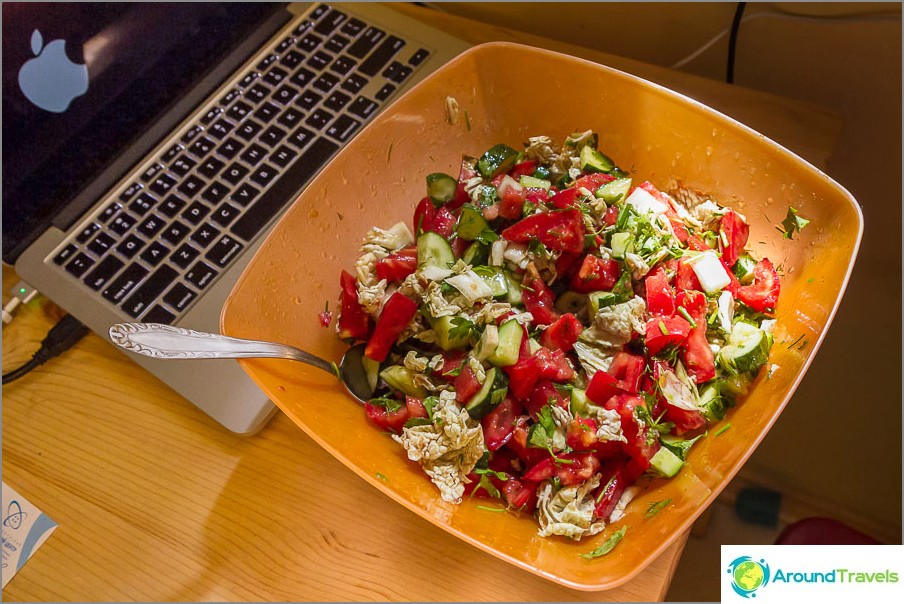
[749,575]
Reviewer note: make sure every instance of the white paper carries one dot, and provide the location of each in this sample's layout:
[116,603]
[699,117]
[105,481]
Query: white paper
[25,528]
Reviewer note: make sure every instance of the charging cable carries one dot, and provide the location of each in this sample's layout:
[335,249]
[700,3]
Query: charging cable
[60,338]
[22,293]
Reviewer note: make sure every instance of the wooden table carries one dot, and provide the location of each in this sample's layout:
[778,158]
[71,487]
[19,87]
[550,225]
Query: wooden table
[156,502]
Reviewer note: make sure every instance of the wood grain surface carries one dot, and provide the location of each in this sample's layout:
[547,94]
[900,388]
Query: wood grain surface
[156,502]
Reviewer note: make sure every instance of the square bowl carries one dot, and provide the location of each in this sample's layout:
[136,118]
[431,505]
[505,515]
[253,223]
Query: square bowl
[507,93]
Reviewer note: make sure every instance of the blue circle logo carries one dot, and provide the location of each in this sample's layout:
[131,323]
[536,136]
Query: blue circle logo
[748,575]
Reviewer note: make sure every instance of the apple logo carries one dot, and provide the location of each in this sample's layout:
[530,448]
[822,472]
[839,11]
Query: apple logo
[51,80]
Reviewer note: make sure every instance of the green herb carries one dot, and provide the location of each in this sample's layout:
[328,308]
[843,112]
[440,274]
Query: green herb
[794,343]
[792,222]
[607,546]
[381,477]
[656,506]
[681,447]
[430,404]
[605,488]
[803,344]
[390,404]
[487,236]
[663,328]
[528,209]
[417,421]
[810,280]
[542,434]
[645,414]
[537,248]
[722,430]
[389,153]
[487,508]
[335,369]
[462,327]
[683,312]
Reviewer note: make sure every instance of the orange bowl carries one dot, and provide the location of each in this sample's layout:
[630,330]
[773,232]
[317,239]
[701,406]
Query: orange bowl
[506,93]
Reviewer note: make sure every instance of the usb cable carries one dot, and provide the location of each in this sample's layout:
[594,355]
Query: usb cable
[22,293]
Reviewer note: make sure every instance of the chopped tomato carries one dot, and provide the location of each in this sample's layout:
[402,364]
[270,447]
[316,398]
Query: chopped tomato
[762,294]
[659,195]
[685,420]
[539,300]
[499,424]
[564,199]
[611,215]
[512,204]
[602,387]
[686,278]
[466,385]
[521,494]
[518,444]
[595,274]
[525,168]
[354,323]
[558,230]
[540,471]
[554,366]
[397,314]
[680,230]
[415,407]
[523,376]
[397,265]
[734,285]
[581,434]
[545,393]
[429,218]
[576,468]
[567,264]
[666,331]
[465,173]
[735,231]
[639,447]
[390,417]
[696,243]
[562,333]
[452,361]
[612,487]
[628,369]
[592,182]
[660,297]
[696,353]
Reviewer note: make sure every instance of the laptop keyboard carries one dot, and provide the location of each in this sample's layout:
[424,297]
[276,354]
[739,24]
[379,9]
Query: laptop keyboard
[189,213]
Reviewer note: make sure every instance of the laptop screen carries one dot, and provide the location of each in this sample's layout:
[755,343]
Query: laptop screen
[81,81]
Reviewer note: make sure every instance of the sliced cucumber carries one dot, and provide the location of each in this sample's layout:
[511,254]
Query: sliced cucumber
[711,403]
[476,254]
[433,250]
[496,160]
[372,370]
[733,386]
[679,446]
[495,278]
[666,463]
[444,339]
[471,223]
[401,378]
[487,344]
[530,182]
[615,191]
[579,402]
[746,351]
[621,244]
[441,187]
[513,292]
[506,353]
[598,300]
[493,391]
[571,302]
[743,269]
[595,161]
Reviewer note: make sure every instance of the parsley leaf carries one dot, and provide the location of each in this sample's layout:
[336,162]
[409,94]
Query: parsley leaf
[656,506]
[487,236]
[462,327]
[607,546]
[792,222]
[390,404]
[417,421]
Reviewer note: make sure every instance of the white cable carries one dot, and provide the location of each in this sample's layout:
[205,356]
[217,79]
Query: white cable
[21,293]
[857,18]
[9,308]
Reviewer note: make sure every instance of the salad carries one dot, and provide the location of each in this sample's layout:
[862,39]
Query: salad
[547,332]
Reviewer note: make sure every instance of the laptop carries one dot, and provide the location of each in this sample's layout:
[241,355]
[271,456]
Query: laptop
[148,149]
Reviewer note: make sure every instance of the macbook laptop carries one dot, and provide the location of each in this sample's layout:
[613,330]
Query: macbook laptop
[149,148]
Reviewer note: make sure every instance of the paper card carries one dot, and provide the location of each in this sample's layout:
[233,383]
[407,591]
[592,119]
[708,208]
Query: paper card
[25,528]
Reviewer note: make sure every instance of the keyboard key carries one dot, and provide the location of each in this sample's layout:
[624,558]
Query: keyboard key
[224,251]
[267,112]
[234,173]
[283,156]
[225,214]
[184,256]
[304,26]
[337,101]
[343,65]
[192,133]
[158,314]
[183,165]
[109,212]
[267,61]
[319,119]
[145,295]
[285,45]
[126,282]
[239,111]
[130,246]
[220,129]
[88,232]
[131,191]
[301,137]
[248,130]
[284,189]
[385,92]
[363,107]
[244,194]
[101,244]
[366,42]
[309,42]
[154,253]
[319,60]
[290,117]
[343,128]
[319,11]
[202,147]
[353,27]
[205,235]
[162,184]
[65,254]
[336,43]
[285,94]
[172,153]
[175,232]
[210,167]
[103,272]
[195,213]
[215,192]
[264,175]
[230,148]
[79,265]
[326,82]
[143,204]
[211,115]
[384,52]
[151,172]
[330,22]
[418,57]
[191,186]
[272,135]
[151,226]
[308,100]
[200,275]
[397,72]
[249,79]
[179,297]
[354,82]
[292,59]
[275,76]
[230,96]
[257,93]
[122,224]
[303,77]
[254,154]
[171,206]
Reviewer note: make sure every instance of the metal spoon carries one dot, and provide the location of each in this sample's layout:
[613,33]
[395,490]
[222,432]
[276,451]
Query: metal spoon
[167,342]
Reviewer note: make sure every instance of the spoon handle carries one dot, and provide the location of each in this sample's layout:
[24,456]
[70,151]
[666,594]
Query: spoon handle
[167,342]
